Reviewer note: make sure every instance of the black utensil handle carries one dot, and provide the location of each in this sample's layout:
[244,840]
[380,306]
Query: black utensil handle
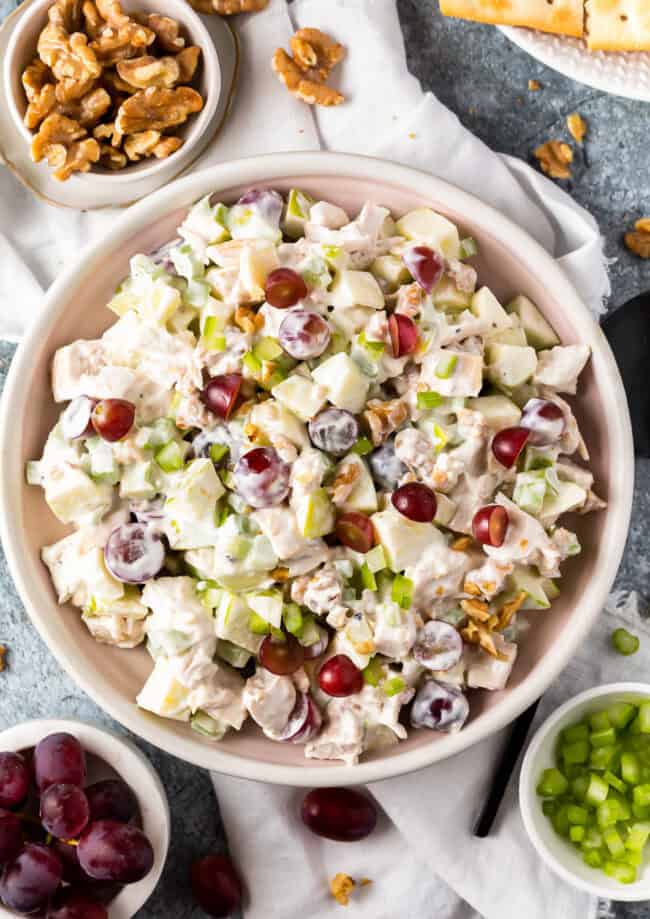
[504,769]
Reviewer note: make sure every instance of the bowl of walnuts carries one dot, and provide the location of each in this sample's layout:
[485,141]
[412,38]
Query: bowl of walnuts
[110,91]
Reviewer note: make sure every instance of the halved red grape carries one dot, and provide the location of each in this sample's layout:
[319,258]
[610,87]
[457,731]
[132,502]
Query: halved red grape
[386,467]
[318,647]
[334,430]
[64,810]
[439,707]
[262,477]
[76,419]
[545,421]
[148,511]
[220,394]
[11,836]
[59,759]
[415,501]
[134,553]
[216,885]
[113,851]
[111,799]
[508,444]
[340,677]
[266,201]
[355,530]
[112,419]
[30,879]
[424,265]
[281,655]
[438,645]
[304,335]
[284,287]
[304,721]
[69,903]
[339,813]
[14,779]
[490,525]
[403,334]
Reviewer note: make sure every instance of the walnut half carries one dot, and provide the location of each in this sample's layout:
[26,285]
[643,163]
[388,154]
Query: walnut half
[157,109]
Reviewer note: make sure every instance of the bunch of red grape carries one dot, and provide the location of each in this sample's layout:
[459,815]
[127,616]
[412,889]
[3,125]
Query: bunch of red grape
[65,847]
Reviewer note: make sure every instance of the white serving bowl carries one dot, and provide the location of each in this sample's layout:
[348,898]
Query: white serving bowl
[509,261]
[120,759]
[557,852]
[22,50]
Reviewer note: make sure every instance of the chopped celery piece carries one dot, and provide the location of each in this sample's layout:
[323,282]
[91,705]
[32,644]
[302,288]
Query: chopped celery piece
[446,366]
[232,654]
[593,838]
[620,714]
[641,811]
[602,757]
[578,815]
[624,874]
[576,833]
[624,642]
[170,457]
[552,784]
[597,790]
[592,858]
[576,732]
[468,247]
[267,349]
[376,559]
[213,337]
[374,348]
[292,619]
[203,724]
[373,673]
[217,452]
[641,795]
[644,717]
[549,807]
[368,579]
[614,842]
[429,400]
[630,769]
[560,820]
[258,625]
[615,782]
[599,721]
[637,836]
[393,686]
[577,752]
[579,786]
[633,858]
[363,446]
[402,591]
[608,813]
[253,363]
[603,738]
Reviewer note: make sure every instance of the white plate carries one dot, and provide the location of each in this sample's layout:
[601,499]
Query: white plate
[622,73]
[75,193]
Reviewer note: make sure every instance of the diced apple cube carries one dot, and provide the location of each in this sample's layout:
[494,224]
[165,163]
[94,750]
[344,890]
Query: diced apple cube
[498,411]
[391,270]
[163,695]
[403,540]
[510,365]
[356,288]
[346,385]
[258,259]
[432,229]
[363,496]
[72,495]
[486,306]
[315,514]
[301,396]
[267,604]
[232,623]
[460,377]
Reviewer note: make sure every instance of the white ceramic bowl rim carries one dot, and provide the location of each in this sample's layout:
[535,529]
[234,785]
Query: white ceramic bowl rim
[192,23]
[529,801]
[139,774]
[263,170]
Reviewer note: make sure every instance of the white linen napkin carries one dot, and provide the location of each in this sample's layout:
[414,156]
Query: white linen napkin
[423,858]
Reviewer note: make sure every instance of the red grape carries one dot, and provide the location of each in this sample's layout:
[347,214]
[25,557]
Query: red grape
[424,265]
[319,647]
[262,477]
[415,501]
[281,655]
[76,420]
[284,287]
[11,836]
[30,879]
[64,810]
[216,885]
[440,707]
[355,530]
[112,419]
[334,430]
[545,421]
[304,721]
[386,467]
[438,645]
[111,799]
[266,201]
[490,525]
[403,334]
[304,335]
[508,444]
[69,903]
[340,677]
[339,813]
[14,779]
[113,851]
[134,553]
[72,870]
[220,394]
[59,759]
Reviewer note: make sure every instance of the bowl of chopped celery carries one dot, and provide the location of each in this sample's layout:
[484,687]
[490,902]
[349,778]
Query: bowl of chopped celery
[584,791]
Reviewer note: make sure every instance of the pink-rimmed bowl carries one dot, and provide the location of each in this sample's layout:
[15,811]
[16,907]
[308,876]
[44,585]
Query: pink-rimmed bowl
[509,261]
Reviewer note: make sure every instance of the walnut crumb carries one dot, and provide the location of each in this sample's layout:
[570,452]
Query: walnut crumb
[476,609]
[364,882]
[555,158]
[3,655]
[461,544]
[577,127]
[280,574]
[638,240]
[534,85]
[341,886]
[508,610]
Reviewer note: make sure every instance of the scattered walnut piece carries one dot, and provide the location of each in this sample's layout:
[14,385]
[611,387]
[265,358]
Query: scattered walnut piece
[167,32]
[166,146]
[66,13]
[280,574]
[87,110]
[146,71]
[188,61]
[56,130]
[534,85]
[577,127]
[93,22]
[157,109]
[79,158]
[476,609]
[3,656]
[344,484]
[315,54]
[383,418]
[509,609]
[477,634]
[108,132]
[247,319]
[141,144]
[555,158]
[638,240]
[35,77]
[341,886]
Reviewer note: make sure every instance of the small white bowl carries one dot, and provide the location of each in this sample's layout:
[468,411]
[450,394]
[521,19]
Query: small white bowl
[22,50]
[557,852]
[120,758]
